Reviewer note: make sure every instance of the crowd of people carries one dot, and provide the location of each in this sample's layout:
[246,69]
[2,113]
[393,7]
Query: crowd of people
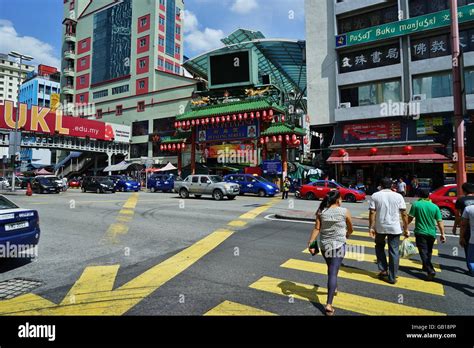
[387,208]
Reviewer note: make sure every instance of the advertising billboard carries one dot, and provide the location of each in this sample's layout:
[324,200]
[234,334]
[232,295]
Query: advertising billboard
[44,120]
[238,68]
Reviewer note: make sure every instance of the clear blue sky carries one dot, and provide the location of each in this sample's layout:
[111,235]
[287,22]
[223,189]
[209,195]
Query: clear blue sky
[34,26]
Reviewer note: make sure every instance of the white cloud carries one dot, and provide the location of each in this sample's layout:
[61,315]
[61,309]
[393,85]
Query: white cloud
[244,6]
[197,40]
[10,40]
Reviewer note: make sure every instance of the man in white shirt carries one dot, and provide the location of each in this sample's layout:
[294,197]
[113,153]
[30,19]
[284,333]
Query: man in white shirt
[385,209]
[402,187]
[467,230]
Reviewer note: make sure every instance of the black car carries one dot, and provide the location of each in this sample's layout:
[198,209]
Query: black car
[99,184]
[44,185]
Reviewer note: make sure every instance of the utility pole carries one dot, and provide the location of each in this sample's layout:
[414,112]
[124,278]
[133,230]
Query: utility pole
[461,177]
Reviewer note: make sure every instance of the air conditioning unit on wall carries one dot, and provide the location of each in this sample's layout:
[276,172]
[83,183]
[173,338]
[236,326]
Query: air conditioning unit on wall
[344,105]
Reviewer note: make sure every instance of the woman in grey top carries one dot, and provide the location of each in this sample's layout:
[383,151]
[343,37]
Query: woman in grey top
[334,226]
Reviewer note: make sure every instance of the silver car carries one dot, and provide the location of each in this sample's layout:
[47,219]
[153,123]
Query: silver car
[213,185]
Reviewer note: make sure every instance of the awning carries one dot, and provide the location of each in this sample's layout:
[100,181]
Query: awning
[122,166]
[167,168]
[418,154]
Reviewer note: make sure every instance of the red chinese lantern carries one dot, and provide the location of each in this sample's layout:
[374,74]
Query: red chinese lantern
[408,149]
[262,141]
[193,123]
[264,114]
[227,118]
[234,117]
[223,119]
[282,118]
[342,152]
[213,120]
[258,114]
[280,138]
[287,138]
[173,147]
[207,120]
[161,147]
[267,140]
[188,123]
[298,142]
[252,115]
[373,151]
[294,138]
[245,116]
[274,139]
[178,147]
[218,120]
[176,125]
[270,112]
[306,141]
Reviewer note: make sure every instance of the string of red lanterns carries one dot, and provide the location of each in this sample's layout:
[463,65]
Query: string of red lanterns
[176,147]
[289,139]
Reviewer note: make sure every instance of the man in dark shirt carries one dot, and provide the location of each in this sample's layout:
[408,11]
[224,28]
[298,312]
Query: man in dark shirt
[461,204]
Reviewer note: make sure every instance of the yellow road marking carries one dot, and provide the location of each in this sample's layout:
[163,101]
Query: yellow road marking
[89,301]
[366,234]
[228,308]
[120,227]
[371,244]
[349,302]
[257,211]
[364,257]
[237,223]
[367,277]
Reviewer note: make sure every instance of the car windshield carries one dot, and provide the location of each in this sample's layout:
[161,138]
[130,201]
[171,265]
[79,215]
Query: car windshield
[104,180]
[46,181]
[6,204]
[261,179]
[216,179]
[129,178]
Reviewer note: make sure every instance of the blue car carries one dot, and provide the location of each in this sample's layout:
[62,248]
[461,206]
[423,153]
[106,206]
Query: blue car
[161,182]
[253,184]
[125,183]
[19,230]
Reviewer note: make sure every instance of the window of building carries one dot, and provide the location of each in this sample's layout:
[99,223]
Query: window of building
[160,62]
[120,89]
[48,90]
[178,30]
[161,41]
[433,85]
[162,2]
[82,80]
[161,20]
[141,107]
[177,70]
[164,126]
[99,113]
[139,150]
[142,63]
[141,84]
[82,62]
[143,42]
[177,50]
[368,19]
[143,22]
[170,27]
[82,98]
[100,94]
[371,93]
[140,128]
[118,110]
[84,44]
[169,66]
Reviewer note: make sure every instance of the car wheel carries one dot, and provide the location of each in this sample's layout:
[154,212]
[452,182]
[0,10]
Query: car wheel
[446,213]
[198,196]
[261,193]
[184,193]
[83,189]
[122,189]
[350,198]
[98,190]
[113,191]
[217,195]
[231,198]
[154,189]
[310,196]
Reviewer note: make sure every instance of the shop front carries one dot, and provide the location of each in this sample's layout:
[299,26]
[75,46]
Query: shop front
[365,152]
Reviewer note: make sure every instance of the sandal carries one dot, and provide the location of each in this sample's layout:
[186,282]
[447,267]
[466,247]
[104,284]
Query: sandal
[330,312]
[382,274]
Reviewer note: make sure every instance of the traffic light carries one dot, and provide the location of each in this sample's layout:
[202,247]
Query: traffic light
[445,138]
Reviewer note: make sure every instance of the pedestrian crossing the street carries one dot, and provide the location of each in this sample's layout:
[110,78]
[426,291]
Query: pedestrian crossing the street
[364,274]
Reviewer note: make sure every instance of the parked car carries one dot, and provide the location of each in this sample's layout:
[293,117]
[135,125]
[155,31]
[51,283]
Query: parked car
[445,198]
[125,183]
[58,181]
[199,185]
[4,184]
[98,184]
[161,182]
[319,189]
[18,227]
[41,184]
[75,183]
[253,184]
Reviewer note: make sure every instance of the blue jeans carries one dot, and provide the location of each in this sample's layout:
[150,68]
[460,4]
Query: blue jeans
[393,254]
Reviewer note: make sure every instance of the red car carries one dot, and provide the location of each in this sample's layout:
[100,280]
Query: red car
[320,188]
[445,198]
[74,183]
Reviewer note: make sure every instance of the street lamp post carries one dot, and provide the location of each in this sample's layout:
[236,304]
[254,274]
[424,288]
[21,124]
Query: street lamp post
[22,57]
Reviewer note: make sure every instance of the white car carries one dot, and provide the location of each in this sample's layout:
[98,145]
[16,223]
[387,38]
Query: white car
[58,181]
[4,183]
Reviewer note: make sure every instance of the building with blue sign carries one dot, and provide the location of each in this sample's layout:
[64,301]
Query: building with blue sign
[37,89]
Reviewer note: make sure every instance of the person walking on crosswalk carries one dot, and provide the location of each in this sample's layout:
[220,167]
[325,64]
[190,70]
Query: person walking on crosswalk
[385,209]
[334,226]
[426,215]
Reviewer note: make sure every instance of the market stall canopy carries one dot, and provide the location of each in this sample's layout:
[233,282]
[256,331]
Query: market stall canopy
[167,168]
[42,171]
[284,60]
[122,166]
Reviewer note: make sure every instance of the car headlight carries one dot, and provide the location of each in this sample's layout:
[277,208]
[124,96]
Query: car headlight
[228,186]
[166,182]
[128,184]
[270,187]
[103,185]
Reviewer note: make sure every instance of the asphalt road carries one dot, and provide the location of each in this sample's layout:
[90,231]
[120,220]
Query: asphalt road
[155,254]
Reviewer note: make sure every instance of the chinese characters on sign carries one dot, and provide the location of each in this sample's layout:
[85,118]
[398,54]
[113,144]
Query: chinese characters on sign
[371,58]
[240,130]
[388,130]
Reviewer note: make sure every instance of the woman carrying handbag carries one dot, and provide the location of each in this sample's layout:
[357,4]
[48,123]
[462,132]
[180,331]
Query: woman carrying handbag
[333,226]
